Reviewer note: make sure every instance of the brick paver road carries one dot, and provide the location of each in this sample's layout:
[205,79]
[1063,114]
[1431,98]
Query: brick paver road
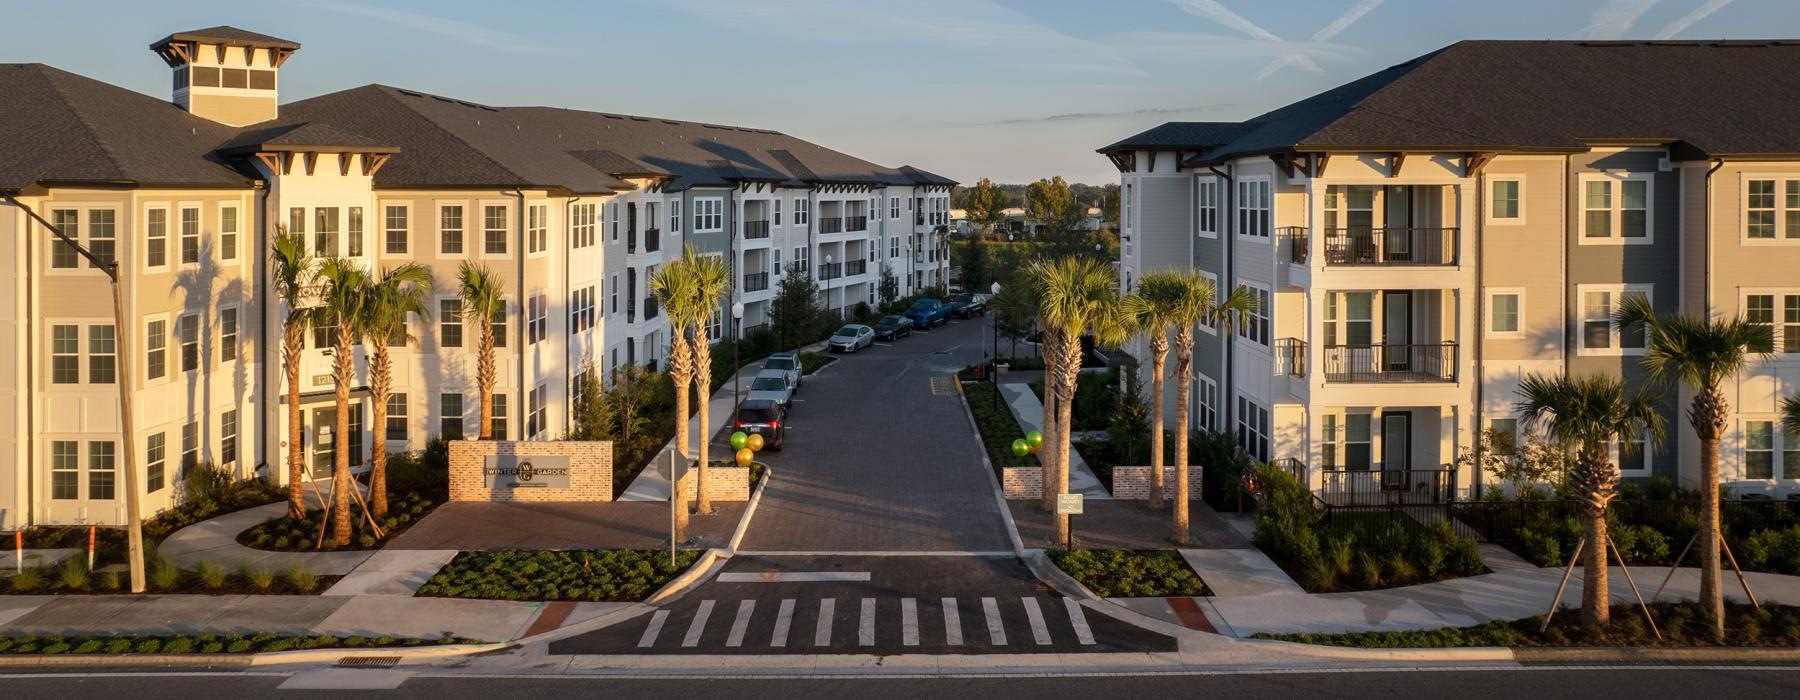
[881,457]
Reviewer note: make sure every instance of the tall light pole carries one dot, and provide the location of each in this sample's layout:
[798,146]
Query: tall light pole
[827,276]
[994,325]
[737,334]
[134,522]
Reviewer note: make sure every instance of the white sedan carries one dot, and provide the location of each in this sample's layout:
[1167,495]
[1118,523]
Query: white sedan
[851,338]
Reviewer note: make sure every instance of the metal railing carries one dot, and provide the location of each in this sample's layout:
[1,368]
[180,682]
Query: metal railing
[652,240]
[856,267]
[631,310]
[1352,487]
[630,240]
[1290,357]
[756,281]
[831,271]
[756,229]
[1370,364]
[649,308]
[831,224]
[1390,246]
[1299,243]
[856,223]
[1295,468]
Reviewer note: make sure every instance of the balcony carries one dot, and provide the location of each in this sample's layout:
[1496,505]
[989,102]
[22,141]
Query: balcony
[631,240]
[831,271]
[856,223]
[1290,357]
[1297,241]
[856,267]
[1396,247]
[649,308]
[631,310]
[756,229]
[1376,364]
[756,281]
[1359,487]
[831,224]
[652,240]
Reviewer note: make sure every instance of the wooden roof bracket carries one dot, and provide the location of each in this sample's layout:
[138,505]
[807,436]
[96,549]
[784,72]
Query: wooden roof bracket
[1285,161]
[272,161]
[1395,159]
[1474,163]
[1317,163]
[312,159]
[372,163]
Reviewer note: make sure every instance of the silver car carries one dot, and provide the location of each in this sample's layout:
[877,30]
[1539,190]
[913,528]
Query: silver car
[851,338]
[771,385]
[788,363]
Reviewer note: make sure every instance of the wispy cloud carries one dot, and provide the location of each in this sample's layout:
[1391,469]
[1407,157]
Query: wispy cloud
[465,32]
[1688,20]
[1286,53]
[1614,18]
[1089,116]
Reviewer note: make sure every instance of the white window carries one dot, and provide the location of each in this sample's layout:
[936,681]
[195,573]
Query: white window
[63,255]
[156,238]
[582,225]
[102,462]
[581,310]
[1505,308]
[450,323]
[1129,220]
[1255,326]
[1253,208]
[353,231]
[1253,429]
[1633,456]
[1208,391]
[675,216]
[156,461]
[893,207]
[450,229]
[228,334]
[1347,441]
[1772,209]
[188,328]
[65,470]
[775,260]
[535,410]
[776,211]
[103,354]
[396,418]
[156,346]
[493,229]
[1506,200]
[709,215]
[228,232]
[190,446]
[228,437]
[537,313]
[103,235]
[894,247]
[65,354]
[614,294]
[1207,197]
[1599,336]
[800,259]
[802,211]
[393,226]
[1768,448]
[1616,209]
[613,209]
[190,235]
[537,228]
[325,231]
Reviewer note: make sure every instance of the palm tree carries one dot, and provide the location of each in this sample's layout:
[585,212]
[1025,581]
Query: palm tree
[399,293]
[1159,291]
[1079,296]
[1701,354]
[481,291]
[1790,414]
[1589,414]
[1197,302]
[711,282]
[673,286]
[291,267]
[345,299]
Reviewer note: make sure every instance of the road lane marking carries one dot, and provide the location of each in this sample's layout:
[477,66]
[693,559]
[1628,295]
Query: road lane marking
[952,623]
[865,629]
[909,621]
[655,628]
[1040,632]
[996,631]
[741,624]
[1078,619]
[827,610]
[698,626]
[793,576]
[783,620]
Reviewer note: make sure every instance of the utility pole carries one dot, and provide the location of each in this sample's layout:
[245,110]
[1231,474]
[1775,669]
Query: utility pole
[134,525]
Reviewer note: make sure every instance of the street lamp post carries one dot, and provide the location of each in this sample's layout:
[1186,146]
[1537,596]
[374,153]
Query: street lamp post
[827,276]
[737,334]
[994,330]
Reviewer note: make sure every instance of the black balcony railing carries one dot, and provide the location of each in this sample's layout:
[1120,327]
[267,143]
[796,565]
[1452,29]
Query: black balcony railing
[856,223]
[649,308]
[756,229]
[631,311]
[1390,246]
[630,240]
[831,224]
[1299,243]
[1352,487]
[831,271]
[652,240]
[756,281]
[856,267]
[1368,364]
[1290,357]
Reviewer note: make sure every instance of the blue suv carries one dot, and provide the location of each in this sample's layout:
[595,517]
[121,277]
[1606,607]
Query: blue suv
[926,313]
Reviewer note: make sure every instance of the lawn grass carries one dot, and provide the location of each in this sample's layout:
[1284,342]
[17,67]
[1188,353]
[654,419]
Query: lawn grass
[1130,573]
[1682,624]
[620,575]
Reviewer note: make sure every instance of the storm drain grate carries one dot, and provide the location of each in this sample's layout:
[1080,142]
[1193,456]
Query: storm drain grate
[368,661]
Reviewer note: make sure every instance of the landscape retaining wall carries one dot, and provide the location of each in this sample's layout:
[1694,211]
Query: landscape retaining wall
[590,471]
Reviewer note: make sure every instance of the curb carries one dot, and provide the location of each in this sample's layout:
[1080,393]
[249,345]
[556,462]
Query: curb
[1066,586]
[228,661]
[1012,529]
[1568,654]
[743,525]
[700,571]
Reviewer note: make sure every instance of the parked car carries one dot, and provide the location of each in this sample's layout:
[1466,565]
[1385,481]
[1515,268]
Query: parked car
[851,338]
[928,313]
[968,305]
[893,327]
[772,384]
[788,363]
[761,417]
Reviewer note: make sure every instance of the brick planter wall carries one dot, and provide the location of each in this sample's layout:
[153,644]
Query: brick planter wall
[723,483]
[1022,483]
[590,471]
[1133,483]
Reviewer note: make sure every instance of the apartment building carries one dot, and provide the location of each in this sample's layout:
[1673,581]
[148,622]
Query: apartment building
[574,210]
[1424,237]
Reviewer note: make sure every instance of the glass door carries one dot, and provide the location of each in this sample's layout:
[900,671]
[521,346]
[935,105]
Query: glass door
[1396,448]
[1396,332]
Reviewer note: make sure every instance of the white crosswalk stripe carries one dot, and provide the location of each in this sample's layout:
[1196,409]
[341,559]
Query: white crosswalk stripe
[655,628]
[1078,620]
[996,630]
[827,610]
[783,620]
[865,628]
[952,623]
[698,626]
[1040,632]
[909,622]
[741,624]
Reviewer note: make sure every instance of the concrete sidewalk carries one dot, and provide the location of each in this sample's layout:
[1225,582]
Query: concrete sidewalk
[1030,414]
[652,484]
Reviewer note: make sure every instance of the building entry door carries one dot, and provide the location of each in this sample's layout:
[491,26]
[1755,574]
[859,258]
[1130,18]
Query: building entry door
[1396,448]
[1397,331]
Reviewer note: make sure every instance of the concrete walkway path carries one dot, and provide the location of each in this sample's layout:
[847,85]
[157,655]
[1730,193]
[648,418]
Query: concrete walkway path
[392,573]
[1240,572]
[215,541]
[484,620]
[1030,414]
[652,484]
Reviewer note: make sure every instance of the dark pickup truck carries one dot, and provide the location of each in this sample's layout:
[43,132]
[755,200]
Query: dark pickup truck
[968,305]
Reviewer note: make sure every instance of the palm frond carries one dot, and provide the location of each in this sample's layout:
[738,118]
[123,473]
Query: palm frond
[400,292]
[291,264]
[1790,413]
[482,293]
[1701,353]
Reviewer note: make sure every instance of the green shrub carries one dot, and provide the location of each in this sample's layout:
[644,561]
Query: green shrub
[27,580]
[302,579]
[73,574]
[260,578]
[110,581]
[164,574]
[1130,573]
[212,575]
[604,575]
[204,487]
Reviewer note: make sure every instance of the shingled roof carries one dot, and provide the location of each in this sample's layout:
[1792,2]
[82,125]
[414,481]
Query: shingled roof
[228,36]
[1180,135]
[1708,99]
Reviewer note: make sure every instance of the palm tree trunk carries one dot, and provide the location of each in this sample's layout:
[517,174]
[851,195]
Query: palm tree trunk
[1184,374]
[484,377]
[702,386]
[343,372]
[381,381]
[1065,409]
[1708,415]
[681,365]
[1159,353]
[290,360]
[1052,371]
[1596,603]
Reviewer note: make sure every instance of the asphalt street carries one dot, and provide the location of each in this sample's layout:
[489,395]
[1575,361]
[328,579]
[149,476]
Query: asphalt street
[1405,684]
[880,456]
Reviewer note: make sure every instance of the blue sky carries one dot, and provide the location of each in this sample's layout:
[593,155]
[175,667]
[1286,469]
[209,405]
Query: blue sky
[1009,89]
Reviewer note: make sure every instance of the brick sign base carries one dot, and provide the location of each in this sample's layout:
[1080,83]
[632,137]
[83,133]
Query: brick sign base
[1022,483]
[590,471]
[722,483]
[1133,483]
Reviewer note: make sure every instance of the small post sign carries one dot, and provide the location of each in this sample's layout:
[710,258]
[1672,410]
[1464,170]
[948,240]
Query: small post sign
[1068,504]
